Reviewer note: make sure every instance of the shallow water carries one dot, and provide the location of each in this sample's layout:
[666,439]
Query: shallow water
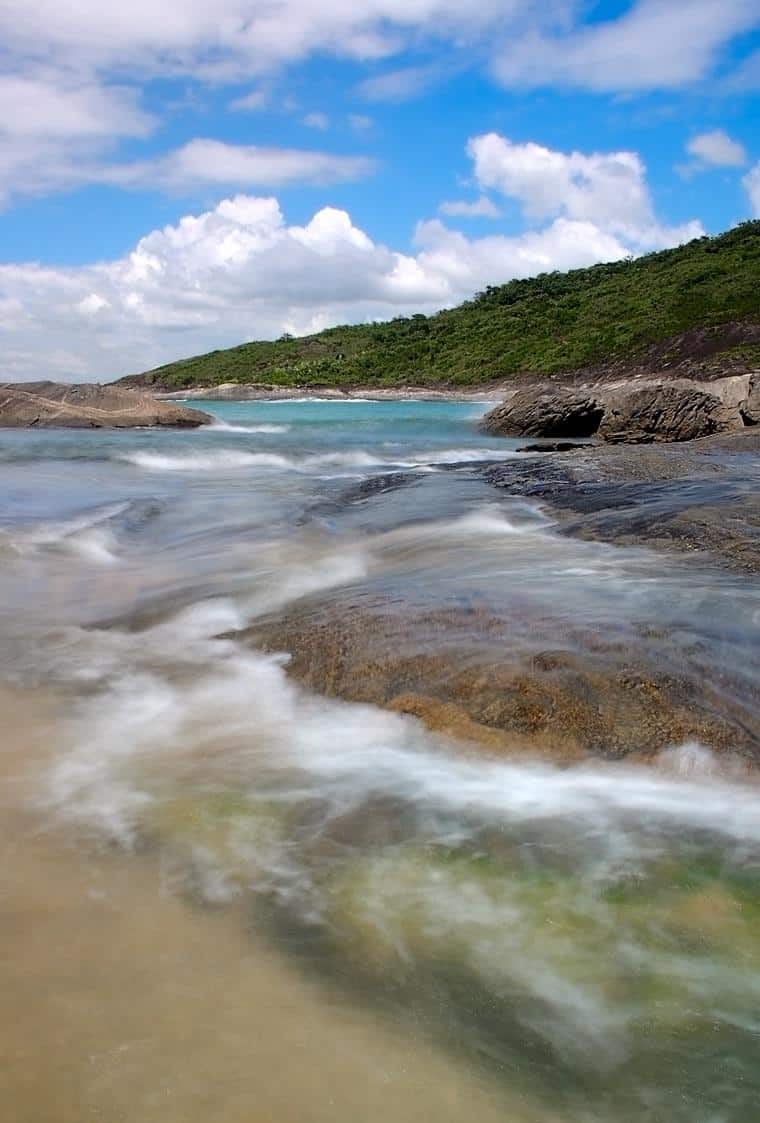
[227,898]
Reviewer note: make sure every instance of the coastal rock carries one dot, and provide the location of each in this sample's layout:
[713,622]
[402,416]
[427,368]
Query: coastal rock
[541,411]
[750,407]
[27,405]
[453,671]
[676,411]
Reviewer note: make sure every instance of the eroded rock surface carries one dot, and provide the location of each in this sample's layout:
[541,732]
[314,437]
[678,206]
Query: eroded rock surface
[678,411]
[540,411]
[635,412]
[26,405]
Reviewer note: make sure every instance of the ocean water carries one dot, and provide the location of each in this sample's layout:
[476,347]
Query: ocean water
[228,898]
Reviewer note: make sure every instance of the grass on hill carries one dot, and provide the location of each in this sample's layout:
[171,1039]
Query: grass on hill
[553,323]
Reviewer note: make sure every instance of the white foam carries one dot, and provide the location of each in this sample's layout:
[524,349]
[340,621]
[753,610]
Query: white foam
[350,460]
[229,427]
[221,461]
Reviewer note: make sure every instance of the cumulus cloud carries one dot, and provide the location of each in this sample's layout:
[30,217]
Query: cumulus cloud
[751,183]
[477,208]
[654,44]
[607,189]
[716,149]
[239,271]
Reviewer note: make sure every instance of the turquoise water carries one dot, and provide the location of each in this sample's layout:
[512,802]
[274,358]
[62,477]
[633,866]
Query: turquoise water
[584,938]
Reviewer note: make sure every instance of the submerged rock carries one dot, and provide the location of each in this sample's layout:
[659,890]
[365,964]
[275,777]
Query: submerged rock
[29,405]
[456,672]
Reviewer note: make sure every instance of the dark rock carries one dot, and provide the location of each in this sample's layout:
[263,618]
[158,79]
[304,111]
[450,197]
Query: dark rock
[551,446]
[661,412]
[541,411]
[26,405]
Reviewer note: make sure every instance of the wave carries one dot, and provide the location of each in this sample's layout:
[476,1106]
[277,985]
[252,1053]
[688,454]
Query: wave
[352,460]
[85,534]
[228,427]
[221,460]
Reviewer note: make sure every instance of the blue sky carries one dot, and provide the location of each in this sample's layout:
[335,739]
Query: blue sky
[184,176]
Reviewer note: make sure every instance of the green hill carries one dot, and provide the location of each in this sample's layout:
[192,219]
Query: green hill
[694,309]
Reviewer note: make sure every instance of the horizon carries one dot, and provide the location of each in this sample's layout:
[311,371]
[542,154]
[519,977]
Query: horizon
[186,182]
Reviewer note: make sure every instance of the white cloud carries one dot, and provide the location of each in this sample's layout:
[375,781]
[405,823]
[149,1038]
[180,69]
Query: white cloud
[42,165]
[317,120]
[478,208]
[751,183]
[654,44]
[232,38]
[239,271]
[250,102]
[716,149]
[607,189]
[52,126]
[203,162]
[399,85]
[360,122]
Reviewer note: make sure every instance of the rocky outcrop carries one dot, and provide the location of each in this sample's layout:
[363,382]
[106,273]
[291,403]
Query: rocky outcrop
[637,412]
[676,411]
[750,407]
[29,405]
[541,411]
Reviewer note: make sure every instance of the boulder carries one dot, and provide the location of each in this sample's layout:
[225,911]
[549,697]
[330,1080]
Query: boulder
[750,407]
[675,411]
[541,411]
[26,405]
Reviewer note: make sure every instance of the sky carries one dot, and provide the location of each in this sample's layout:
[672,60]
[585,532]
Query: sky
[181,176]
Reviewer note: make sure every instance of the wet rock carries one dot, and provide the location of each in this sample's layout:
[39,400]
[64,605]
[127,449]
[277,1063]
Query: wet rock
[541,411]
[600,699]
[551,446]
[678,411]
[47,405]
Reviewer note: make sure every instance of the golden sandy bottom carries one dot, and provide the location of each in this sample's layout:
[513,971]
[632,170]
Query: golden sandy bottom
[123,1004]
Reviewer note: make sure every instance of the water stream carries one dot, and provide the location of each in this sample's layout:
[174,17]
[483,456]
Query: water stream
[225,897]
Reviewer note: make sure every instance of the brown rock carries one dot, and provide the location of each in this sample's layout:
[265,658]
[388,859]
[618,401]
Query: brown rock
[26,405]
[541,411]
[676,411]
[461,678]
[750,407]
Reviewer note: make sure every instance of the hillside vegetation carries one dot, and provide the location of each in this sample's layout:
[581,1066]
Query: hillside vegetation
[695,308]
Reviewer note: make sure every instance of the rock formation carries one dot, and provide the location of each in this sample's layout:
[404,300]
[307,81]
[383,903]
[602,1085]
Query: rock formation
[26,405]
[541,411]
[635,412]
[676,411]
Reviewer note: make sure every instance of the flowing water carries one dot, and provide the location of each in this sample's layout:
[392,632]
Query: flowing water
[225,898]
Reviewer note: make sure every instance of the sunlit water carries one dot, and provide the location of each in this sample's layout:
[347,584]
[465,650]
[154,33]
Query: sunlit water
[227,899]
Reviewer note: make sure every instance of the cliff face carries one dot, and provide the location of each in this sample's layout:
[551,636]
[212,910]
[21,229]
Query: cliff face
[26,405]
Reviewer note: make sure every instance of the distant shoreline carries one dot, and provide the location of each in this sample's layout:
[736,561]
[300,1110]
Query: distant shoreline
[256,392]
